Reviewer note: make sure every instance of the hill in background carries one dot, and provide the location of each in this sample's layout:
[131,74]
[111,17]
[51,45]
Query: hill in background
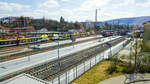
[131,21]
[124,21]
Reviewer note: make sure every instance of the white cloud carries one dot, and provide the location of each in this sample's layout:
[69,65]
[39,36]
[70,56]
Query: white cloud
[109,9]
[145,4]
[50,4]
[94,3]
[83,9]
[5,6]
[132,3]
[124,3]
[65,0]
[36,13]
[66,12]
[87,9]
[39,13]
[121,14]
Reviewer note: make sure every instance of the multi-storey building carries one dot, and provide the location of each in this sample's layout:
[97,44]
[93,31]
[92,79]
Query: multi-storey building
[16,24]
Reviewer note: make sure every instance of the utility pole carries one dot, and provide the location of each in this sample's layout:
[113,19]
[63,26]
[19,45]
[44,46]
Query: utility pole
[113,25]
[130,63]
[58,46]
[118,26]
[96,19]
[136,52]
[128,28]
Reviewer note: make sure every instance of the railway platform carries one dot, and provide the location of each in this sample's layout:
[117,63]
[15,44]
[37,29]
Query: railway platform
[18,65]
[16,51]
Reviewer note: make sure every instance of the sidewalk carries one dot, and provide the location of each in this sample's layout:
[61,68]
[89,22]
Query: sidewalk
[125,80]
[114,80]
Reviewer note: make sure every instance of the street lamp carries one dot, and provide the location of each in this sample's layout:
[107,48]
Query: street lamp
[130,62]
[58,52]
[59,65]
[58,45]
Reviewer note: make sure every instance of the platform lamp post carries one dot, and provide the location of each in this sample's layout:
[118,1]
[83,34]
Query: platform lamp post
[131,76]
[130,64]
[59,65]
[58,52]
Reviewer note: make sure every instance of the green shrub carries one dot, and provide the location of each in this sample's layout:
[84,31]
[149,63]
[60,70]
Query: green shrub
[112,69]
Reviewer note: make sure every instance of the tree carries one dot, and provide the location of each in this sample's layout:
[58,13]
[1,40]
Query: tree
[70,25]
[62,20]
[77,25]
[62,24]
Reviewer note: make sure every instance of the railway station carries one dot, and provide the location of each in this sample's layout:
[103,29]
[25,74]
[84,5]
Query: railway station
[56,61]
[53,57]
[74,42]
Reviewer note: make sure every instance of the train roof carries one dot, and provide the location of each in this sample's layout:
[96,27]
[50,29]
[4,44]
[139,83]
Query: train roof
[35,32]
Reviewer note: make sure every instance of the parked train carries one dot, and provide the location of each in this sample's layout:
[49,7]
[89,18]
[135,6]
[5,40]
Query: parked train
[19,40]
[108,33]
[22,40]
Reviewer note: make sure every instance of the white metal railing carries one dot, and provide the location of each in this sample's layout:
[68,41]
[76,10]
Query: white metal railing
[75,72]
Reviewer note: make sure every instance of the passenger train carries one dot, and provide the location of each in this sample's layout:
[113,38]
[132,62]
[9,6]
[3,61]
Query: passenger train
[20,40]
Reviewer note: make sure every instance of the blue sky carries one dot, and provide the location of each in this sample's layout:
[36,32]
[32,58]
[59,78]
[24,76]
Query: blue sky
[75,10]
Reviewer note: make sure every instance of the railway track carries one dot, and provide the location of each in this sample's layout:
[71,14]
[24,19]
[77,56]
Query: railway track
[50,69]
[24,54]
